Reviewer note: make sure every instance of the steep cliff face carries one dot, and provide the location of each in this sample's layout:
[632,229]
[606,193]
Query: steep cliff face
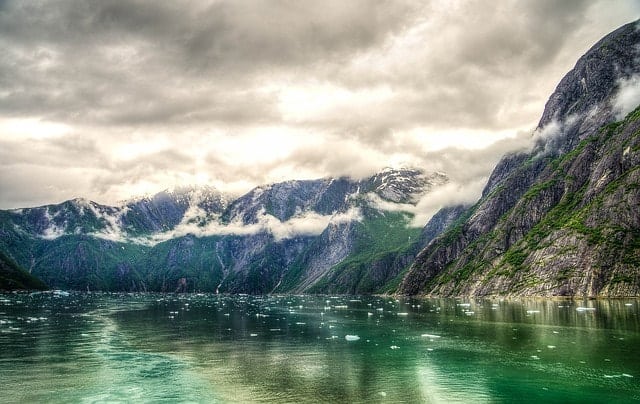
[561,219]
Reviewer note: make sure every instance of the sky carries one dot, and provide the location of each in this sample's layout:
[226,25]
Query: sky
[110,100]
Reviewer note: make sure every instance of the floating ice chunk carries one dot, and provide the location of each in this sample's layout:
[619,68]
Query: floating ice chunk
[551,346]
[429,349]
[253,335]
[369,314]
[432,336]
[394,347]
[300,323]
[380,309]
[351,337]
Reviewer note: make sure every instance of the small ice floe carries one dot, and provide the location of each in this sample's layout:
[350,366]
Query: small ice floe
[351,337]
[300,323]
[432,336]
[556,332]
[380,309]
[581,309]
[394,347]
[551,346]
[253,335]
[403,314]
[369,314]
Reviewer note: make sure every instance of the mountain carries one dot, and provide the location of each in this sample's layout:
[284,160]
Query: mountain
[562,219]
[12,277]
[324,236]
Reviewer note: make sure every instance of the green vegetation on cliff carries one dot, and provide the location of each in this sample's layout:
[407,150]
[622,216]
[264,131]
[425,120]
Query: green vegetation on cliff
[13,277]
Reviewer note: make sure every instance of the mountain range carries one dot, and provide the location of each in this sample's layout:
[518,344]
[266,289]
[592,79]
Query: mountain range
[559,219]
[328,235]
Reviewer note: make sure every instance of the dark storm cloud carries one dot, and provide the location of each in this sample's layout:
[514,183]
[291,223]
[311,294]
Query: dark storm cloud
[157,62]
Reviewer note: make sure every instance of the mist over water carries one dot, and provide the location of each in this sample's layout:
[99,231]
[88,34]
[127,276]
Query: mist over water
[206,348]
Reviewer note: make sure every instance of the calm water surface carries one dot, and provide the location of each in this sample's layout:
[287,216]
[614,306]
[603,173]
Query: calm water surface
[93,348]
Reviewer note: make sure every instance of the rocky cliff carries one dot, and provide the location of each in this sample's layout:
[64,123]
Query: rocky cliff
[561,219]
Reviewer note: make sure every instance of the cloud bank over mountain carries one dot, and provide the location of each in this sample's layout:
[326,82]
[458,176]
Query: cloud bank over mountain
[112,99]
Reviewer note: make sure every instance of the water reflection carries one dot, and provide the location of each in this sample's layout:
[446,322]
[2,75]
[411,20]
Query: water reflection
[204,348]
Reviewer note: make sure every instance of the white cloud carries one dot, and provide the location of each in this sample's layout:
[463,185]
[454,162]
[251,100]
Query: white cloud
[195,222]
[116,99]
[628,97]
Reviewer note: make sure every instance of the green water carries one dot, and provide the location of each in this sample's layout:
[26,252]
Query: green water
[91,348]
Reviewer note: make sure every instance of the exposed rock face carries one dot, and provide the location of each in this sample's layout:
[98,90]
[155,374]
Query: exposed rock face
[321,235]
[562,219]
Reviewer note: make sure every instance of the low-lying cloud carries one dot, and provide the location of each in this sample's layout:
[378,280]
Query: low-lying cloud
[628,97]
[304,224]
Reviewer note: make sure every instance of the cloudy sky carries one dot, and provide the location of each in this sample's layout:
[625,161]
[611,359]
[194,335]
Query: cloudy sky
[113,99]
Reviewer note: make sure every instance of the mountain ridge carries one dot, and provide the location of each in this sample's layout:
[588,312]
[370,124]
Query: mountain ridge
[276,238]
[483,253]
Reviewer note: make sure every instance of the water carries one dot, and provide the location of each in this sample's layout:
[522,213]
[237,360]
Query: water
[92,348]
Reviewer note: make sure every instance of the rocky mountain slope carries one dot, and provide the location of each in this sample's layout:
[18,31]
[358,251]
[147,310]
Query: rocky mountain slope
[562,219]
[327,235]
[12,277]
